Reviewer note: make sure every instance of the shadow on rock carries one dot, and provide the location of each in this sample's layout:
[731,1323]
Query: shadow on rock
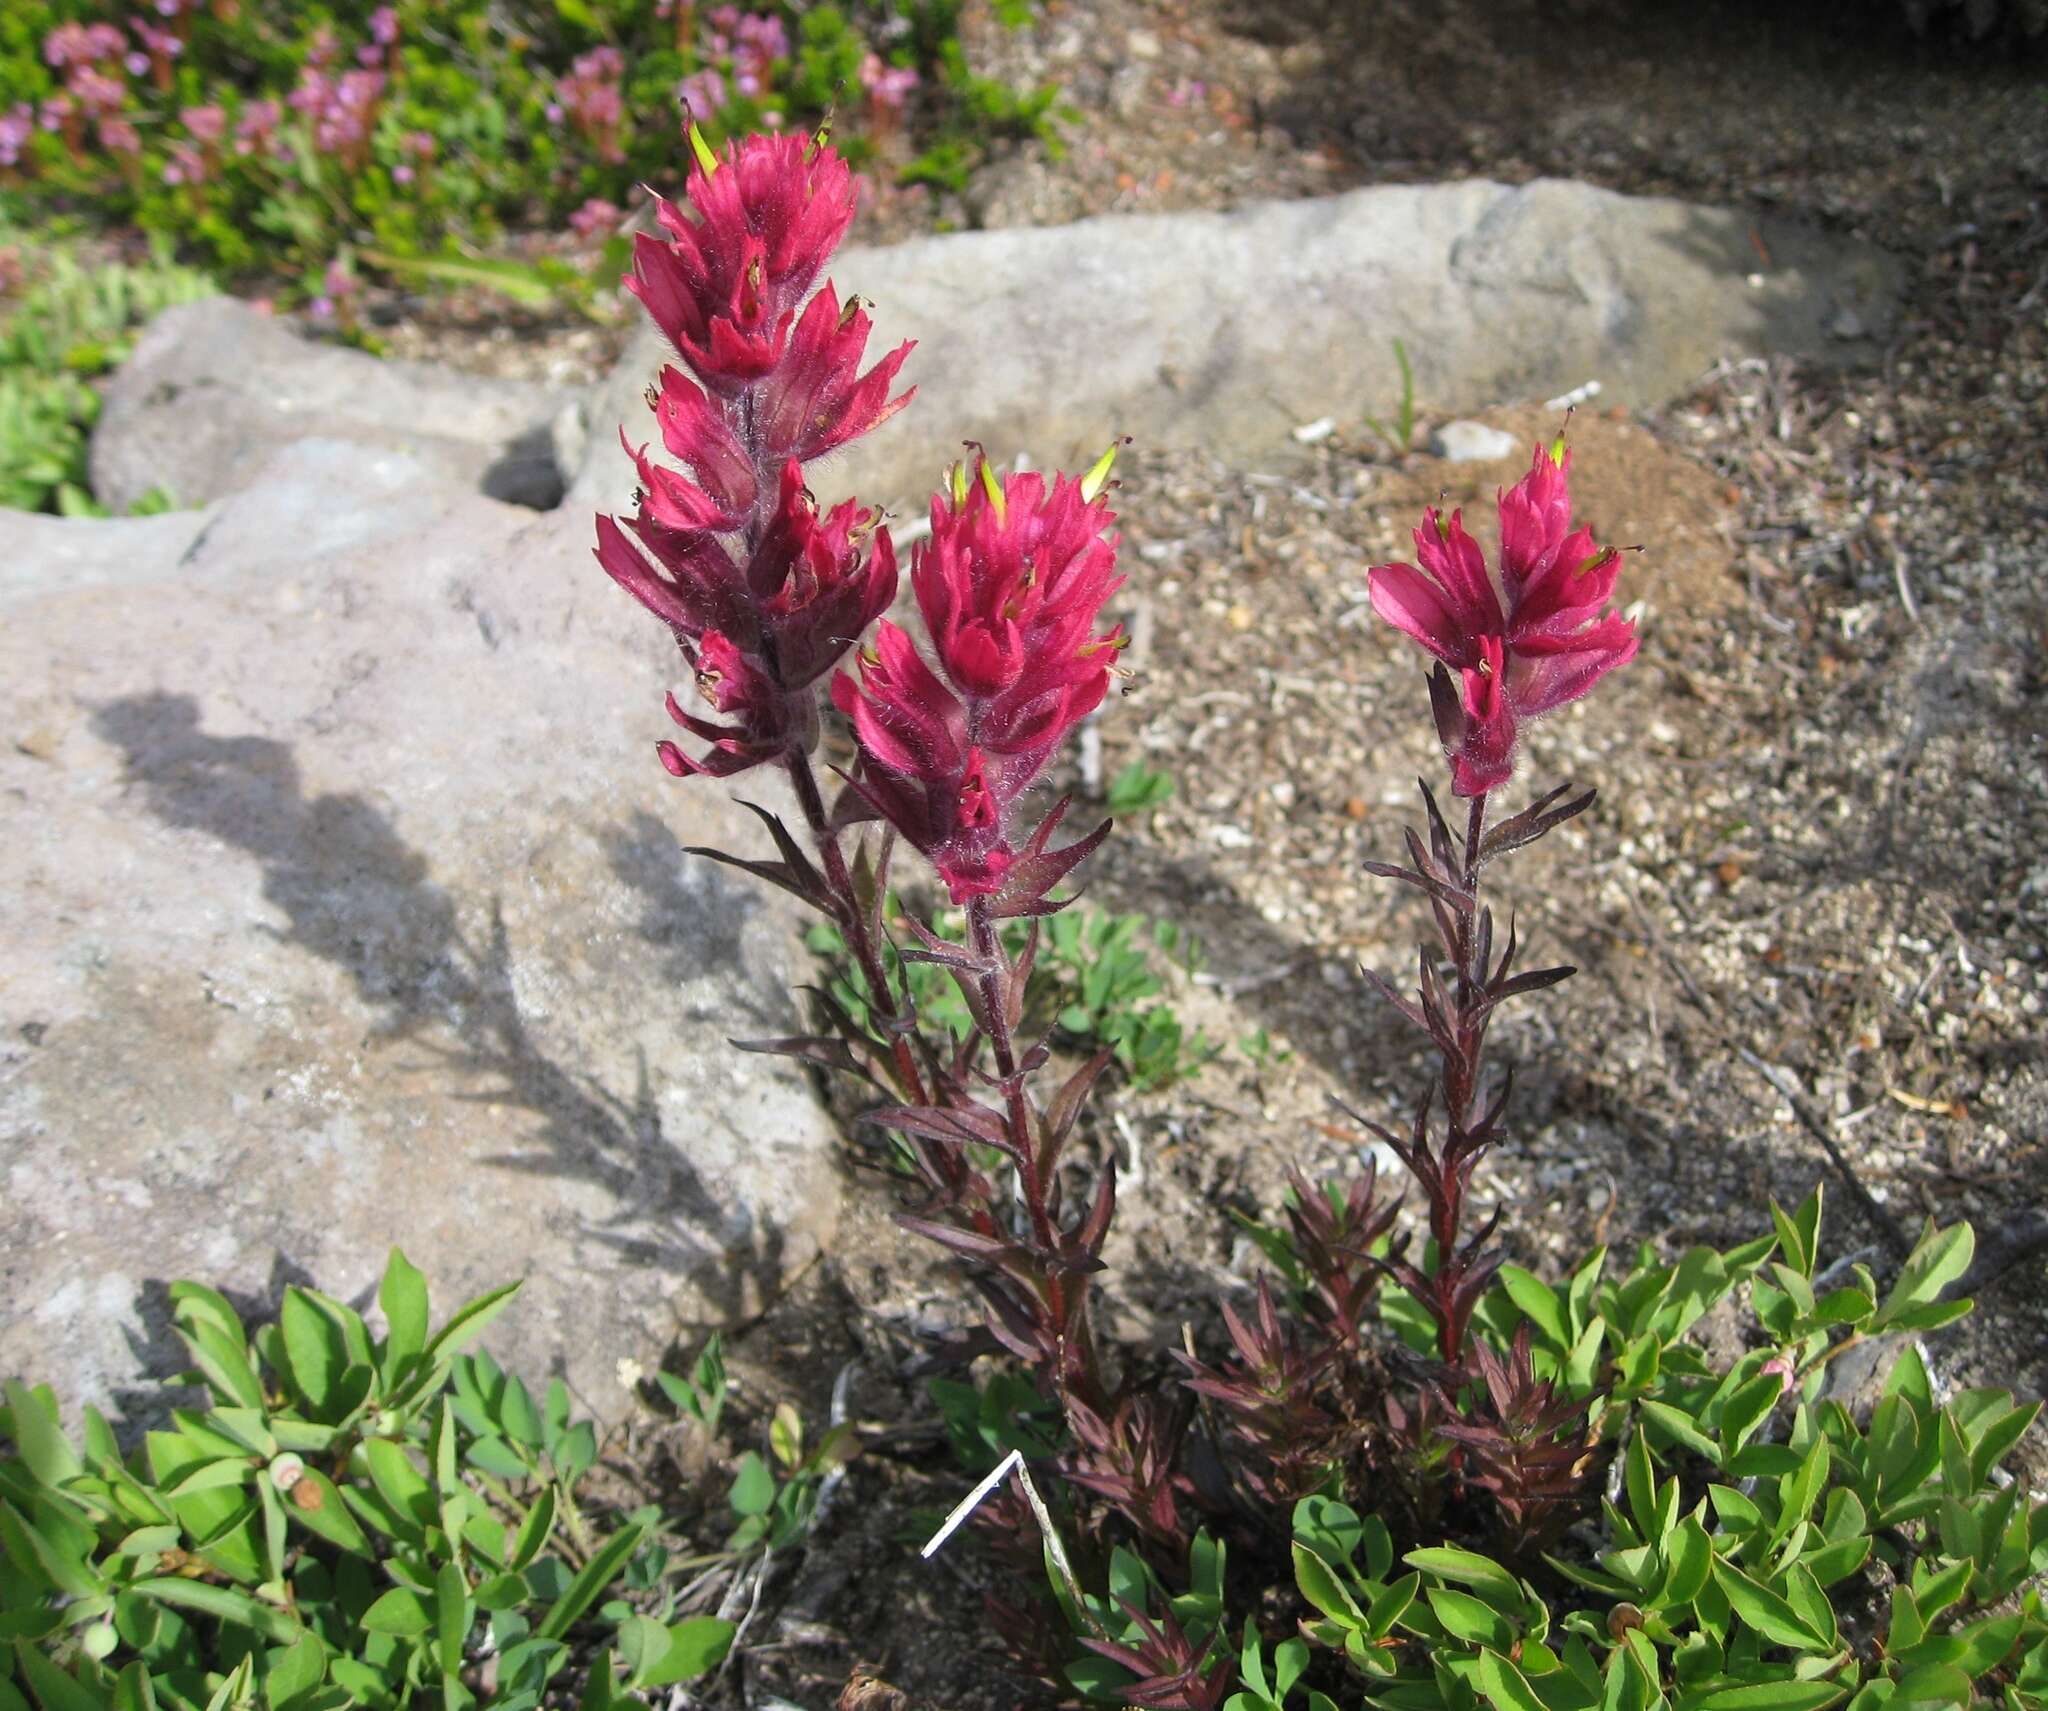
[358,896]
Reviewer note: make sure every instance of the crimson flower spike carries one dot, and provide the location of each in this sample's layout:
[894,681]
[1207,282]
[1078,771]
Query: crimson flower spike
[1519,651]
[1011,585]
[763,593]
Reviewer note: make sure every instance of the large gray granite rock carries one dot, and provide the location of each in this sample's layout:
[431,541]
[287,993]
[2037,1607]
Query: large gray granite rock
[345,908]
[215,388]
[1228,330]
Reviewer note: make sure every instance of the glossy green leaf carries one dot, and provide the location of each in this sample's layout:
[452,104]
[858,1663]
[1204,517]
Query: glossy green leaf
[1485,1576]
[1318,1583]
[401,1612]
[403,1297]
[1503,1686]
[225,1603]
[599,1572]
[1764,1610]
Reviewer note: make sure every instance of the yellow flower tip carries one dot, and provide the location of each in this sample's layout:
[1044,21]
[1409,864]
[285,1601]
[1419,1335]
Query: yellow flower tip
[994,489]
[1557,450]
[702,149]
[1097,477]
[1443,527]
[956,482]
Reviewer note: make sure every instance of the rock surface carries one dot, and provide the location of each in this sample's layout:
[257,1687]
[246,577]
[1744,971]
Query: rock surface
[1226,331]
[346,909]
[215,388]
[1472,442]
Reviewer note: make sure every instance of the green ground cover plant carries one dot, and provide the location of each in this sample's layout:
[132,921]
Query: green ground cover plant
[342,1518]
[63,326]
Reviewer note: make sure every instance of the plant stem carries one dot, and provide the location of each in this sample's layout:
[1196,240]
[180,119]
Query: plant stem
[854,923]
[995,967]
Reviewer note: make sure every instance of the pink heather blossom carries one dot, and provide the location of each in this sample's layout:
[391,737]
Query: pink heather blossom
[82,44]
[162,44]
[95,91]
[259,119]
[137,64]
[1011,584]
[339,283]
[118,136]
[321,308]
[1549,643]
[384,26]
[186,165]
[594,217]
[592,98]
[16,128]
[402,174]
[57,112]
[208,124]
[888,87]
[66,45]
[702,92]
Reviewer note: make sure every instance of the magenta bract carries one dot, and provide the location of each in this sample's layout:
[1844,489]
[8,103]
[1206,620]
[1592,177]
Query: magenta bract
[1538,641]
[1011,585]
[726,545]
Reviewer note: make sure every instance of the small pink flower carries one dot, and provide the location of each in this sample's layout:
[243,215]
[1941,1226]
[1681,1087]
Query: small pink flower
[258,120]
[208,124]
[703,93]
[321,308]
[594,217]
[1547,645]
[57,112]
[118,136]
[162,44]
[186,165]
[888,87]
[137,64]
[95,91]
[384,26]
[67,44]
[339,283]
[402,174]
[16,128]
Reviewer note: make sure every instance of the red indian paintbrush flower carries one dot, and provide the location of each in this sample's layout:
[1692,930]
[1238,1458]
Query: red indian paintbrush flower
[1010,584]
[763,593]
[1547,646]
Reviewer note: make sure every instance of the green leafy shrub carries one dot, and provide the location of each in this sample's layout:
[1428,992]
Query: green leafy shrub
[1759,1546]
[273,139]
[345,1520]
[68,325]
[1097,977]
